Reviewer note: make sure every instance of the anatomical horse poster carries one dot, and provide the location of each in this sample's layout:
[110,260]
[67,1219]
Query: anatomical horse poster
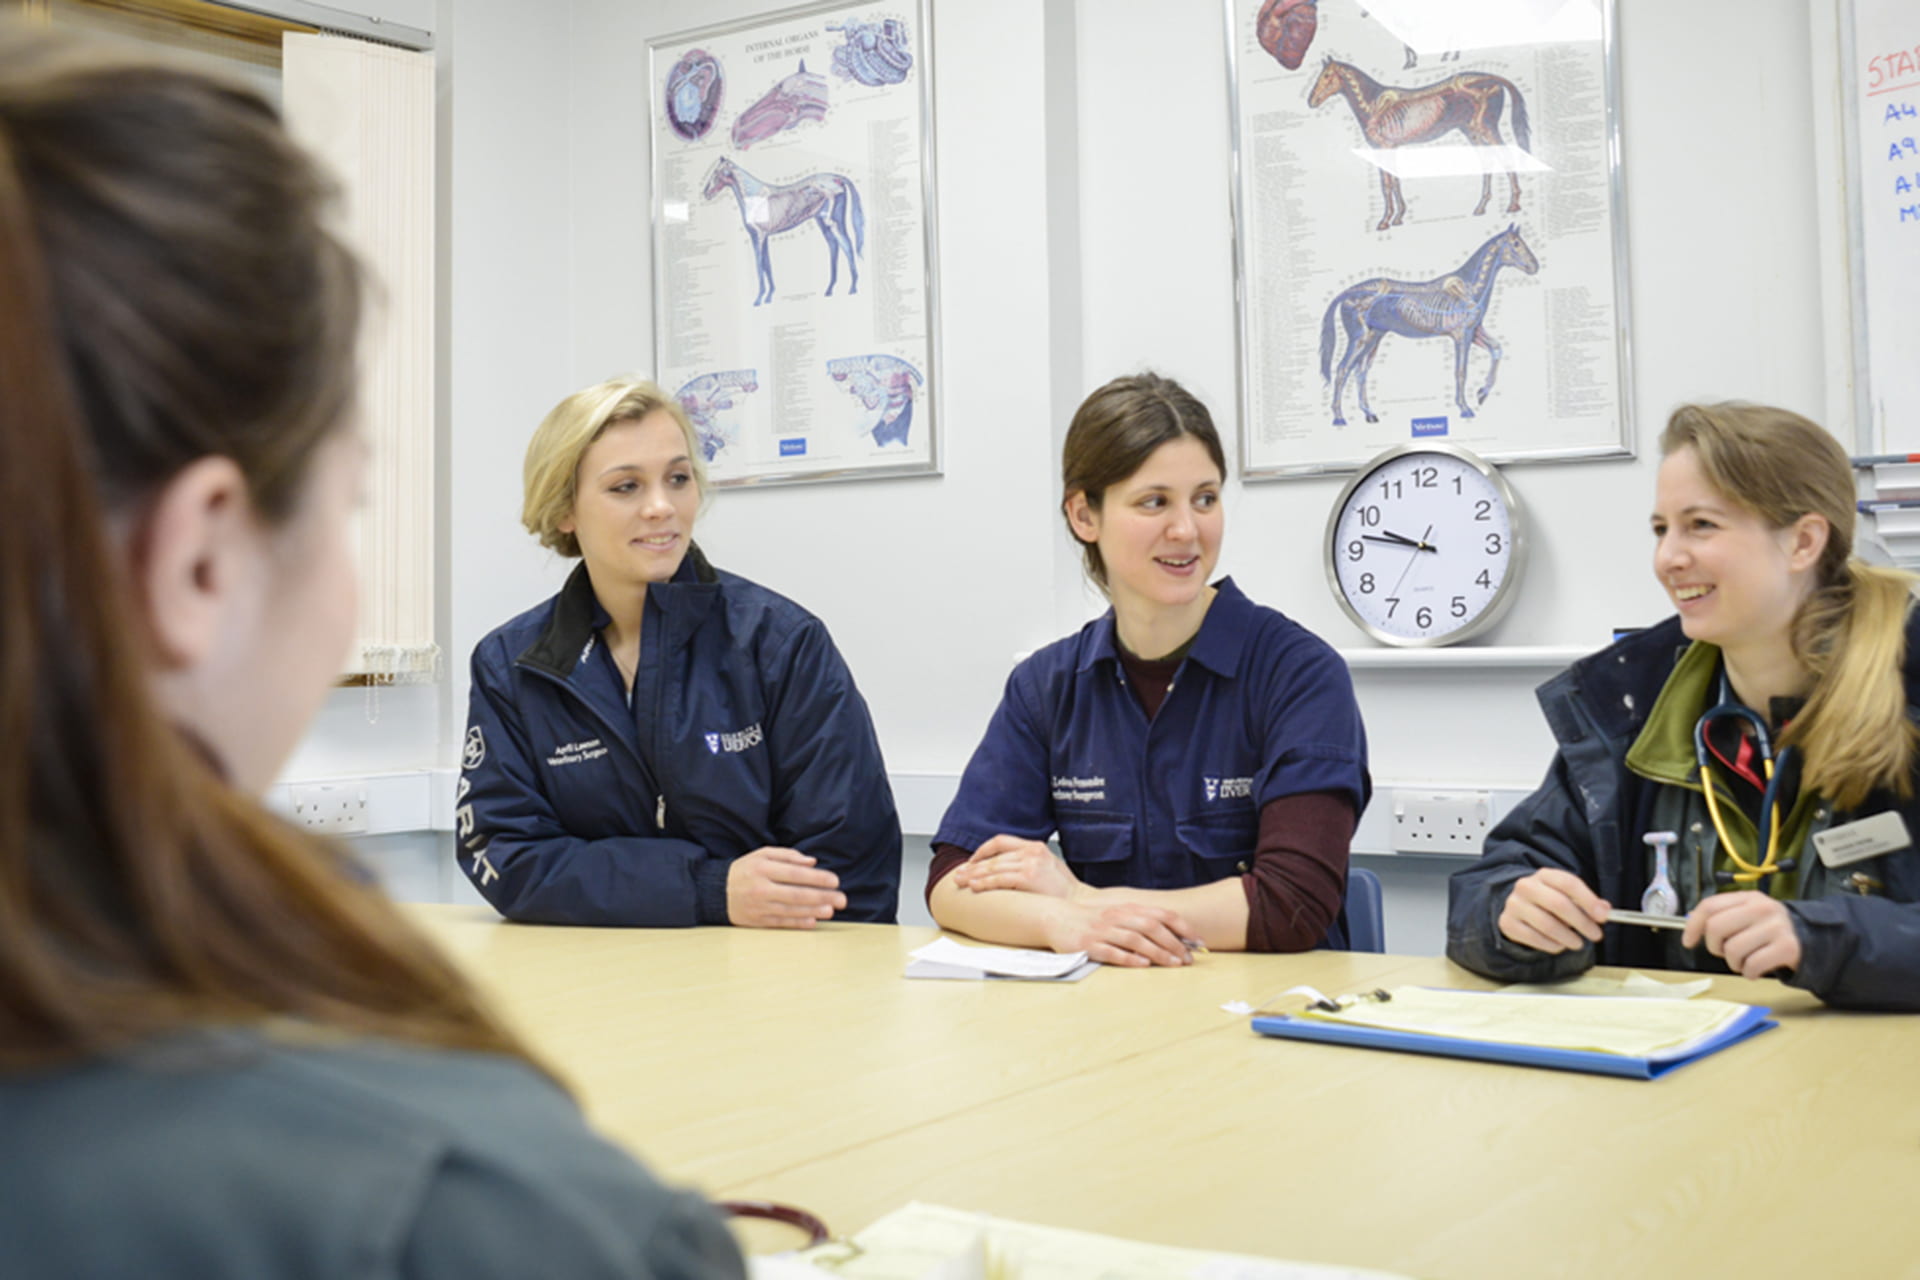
[1428,230]
[793,242]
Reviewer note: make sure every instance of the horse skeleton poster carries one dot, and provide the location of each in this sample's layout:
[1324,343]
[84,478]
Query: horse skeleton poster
[793,242]
[1428,230]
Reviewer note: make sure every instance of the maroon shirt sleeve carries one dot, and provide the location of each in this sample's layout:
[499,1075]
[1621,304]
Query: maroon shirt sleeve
[1299,872]
[945,858]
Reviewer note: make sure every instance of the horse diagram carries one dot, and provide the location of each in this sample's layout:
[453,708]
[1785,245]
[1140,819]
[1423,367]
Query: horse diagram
[884,383]
[828,200]
[874,53]
[694,89]
[791,102]
[1452,306]
[705,396]
[1392,116]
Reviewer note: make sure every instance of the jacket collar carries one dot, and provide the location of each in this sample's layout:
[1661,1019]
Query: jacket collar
[1218,646]
[578,617]
[1620,684]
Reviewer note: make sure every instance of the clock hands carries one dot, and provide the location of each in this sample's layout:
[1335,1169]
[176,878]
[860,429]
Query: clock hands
[1418,546]
[1401,540]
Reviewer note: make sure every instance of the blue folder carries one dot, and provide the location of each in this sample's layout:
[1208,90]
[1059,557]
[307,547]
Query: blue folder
[1750,1023]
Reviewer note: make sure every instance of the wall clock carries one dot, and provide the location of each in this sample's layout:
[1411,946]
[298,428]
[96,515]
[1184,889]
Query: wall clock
[1424,545]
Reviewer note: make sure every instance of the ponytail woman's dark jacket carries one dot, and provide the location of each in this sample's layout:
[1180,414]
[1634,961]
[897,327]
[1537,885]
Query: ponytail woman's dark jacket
[574,808]
[1858,950]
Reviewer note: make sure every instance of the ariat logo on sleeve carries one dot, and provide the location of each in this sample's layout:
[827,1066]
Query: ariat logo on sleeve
[739,740]
[1228,788]
[473,753]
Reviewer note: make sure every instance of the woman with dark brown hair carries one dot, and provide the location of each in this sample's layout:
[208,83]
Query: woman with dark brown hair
[221,1054]
[1200,757]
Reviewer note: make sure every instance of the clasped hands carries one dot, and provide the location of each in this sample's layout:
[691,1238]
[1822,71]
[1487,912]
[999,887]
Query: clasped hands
[1555,911]
[1101,922]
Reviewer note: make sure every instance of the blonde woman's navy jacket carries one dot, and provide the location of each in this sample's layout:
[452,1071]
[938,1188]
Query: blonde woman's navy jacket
[574,808]
[1588,818]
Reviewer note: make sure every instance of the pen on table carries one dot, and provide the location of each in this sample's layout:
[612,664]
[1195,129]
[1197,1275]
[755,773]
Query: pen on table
[1884,459]
[1867,506]
[1192,945]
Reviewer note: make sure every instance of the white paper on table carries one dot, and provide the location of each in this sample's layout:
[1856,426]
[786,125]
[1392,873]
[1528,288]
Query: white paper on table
[1634,984]
[945,958]
[929,1242]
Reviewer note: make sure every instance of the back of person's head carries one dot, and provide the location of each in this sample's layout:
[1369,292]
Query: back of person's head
[1113,433]
[551,471]
[1851,630]
[173,301]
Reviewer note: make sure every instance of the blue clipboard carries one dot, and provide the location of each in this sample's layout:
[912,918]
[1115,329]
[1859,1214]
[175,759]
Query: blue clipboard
[1754,1020]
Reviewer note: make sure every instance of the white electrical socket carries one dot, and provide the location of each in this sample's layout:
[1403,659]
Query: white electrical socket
[337,808]
[1441,821]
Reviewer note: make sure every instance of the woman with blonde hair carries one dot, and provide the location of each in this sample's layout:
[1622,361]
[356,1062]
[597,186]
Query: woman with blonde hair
[222,1053]
[1748,764]
[663,742]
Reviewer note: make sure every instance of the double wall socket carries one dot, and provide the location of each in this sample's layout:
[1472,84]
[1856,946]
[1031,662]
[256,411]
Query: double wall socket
[337,808]
[1441,821]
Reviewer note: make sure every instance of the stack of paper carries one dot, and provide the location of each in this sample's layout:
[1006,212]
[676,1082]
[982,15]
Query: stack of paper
[1611,1035]
[929,1242]
[945,958]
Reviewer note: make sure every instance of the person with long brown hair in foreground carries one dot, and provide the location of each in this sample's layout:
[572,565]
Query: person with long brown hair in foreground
[221,1053]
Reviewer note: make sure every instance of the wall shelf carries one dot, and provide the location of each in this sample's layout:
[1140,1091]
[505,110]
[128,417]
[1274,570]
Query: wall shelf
[1494,657]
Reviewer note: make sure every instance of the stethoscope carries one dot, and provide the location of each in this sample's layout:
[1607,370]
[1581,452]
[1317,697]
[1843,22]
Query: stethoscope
[1773,768]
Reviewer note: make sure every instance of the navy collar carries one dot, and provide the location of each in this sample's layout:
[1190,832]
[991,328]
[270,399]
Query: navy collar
[578,616]
[1217,647]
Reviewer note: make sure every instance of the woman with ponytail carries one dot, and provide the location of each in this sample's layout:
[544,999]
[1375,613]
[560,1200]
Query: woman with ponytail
[221,1054]
[1770,727]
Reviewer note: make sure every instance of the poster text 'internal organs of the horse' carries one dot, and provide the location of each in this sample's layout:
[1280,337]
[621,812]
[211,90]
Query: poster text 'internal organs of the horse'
[792,243]
[1426,213]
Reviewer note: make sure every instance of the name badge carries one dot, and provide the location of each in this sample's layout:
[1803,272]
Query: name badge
[1857,841]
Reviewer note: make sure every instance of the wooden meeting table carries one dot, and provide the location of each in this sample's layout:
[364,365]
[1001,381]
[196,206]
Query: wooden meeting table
[804,1068]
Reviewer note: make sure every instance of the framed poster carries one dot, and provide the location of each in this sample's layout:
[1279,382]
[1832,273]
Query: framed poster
[793,242]
[1428,231]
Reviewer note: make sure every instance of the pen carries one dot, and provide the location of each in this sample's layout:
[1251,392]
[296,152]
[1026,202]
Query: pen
[1617,916]
[1193,945]
[1884,459]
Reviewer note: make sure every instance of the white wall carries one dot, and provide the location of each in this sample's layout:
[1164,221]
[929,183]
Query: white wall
[1083,170]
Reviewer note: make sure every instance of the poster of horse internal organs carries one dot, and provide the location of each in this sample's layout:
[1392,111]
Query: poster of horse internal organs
[1428,230]
[793,242]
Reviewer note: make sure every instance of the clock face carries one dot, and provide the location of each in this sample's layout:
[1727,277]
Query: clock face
[1424,546]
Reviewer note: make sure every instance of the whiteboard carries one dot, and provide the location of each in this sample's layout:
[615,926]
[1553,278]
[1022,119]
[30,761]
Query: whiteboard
[1881,92]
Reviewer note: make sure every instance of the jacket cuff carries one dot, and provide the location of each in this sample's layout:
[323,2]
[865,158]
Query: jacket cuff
[710,890]
[1825,945]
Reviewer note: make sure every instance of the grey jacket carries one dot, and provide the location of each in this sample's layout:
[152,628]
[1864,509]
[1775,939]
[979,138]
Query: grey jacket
[233,1154]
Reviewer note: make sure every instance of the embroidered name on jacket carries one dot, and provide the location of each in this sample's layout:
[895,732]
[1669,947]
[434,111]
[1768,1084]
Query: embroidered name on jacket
[1079,790]
[739,740]
[1228,788]
[576,753]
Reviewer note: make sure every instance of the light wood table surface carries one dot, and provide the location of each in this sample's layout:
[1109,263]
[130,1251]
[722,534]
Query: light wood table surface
[804,1068]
